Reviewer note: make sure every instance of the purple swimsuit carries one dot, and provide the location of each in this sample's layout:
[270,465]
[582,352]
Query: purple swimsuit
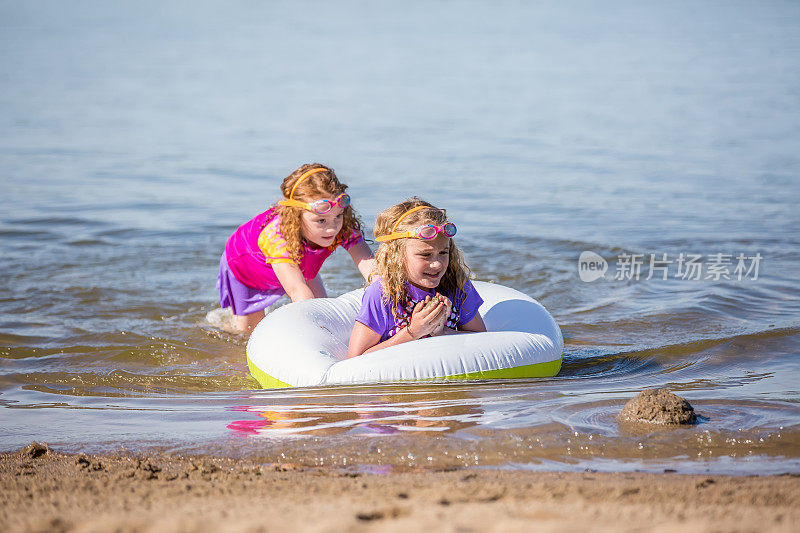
[377,314]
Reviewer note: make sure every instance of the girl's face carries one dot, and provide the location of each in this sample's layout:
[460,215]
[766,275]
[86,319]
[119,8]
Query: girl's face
[321,230]
[426,261]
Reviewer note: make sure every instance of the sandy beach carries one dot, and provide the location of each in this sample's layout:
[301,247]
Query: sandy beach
[44,490]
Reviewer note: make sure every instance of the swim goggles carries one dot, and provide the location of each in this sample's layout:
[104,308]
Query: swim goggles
[319,207]
[425,232]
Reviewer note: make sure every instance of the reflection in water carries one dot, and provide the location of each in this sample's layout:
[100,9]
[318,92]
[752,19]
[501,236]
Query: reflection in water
[387,414]
[577,435]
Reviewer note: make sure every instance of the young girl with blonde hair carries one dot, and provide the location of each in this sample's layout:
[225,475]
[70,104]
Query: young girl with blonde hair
[281,250]
[423,287]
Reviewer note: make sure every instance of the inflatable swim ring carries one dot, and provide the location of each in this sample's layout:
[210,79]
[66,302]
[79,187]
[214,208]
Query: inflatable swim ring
[305,344]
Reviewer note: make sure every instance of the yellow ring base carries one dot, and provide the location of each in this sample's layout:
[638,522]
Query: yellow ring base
[536,370]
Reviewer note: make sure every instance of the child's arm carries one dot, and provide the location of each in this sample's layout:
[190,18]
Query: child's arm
[293,282]
[362,257]
[475,325]
[423,322]
[317,287]
[362,340]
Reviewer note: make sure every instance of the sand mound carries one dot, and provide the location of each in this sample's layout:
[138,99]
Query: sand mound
[35,450]
[658,406]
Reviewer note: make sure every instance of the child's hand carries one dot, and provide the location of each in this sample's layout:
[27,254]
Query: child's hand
[426,317]
[445,314]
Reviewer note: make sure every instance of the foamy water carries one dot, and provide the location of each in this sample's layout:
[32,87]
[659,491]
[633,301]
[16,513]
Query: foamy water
[134,138]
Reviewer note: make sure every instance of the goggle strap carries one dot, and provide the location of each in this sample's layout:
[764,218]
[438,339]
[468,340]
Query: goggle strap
[411,235]
[292,203]
[297,203]
[394,236]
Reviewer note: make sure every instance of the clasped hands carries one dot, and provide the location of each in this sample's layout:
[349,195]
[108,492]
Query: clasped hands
[430,316]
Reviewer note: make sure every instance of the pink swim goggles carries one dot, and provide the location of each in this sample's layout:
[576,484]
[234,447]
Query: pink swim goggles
[425,232]
[319,207]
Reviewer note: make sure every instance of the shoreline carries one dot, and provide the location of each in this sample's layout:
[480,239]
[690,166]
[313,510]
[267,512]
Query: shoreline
[43,489]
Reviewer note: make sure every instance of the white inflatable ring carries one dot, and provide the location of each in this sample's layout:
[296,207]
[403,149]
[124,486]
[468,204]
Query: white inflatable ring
[305,344]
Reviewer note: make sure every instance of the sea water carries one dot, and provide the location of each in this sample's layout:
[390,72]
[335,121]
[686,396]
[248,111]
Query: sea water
[660,141]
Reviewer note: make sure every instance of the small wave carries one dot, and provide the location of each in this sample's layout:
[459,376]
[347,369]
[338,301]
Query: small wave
[52,221]
[119,383]
[88,242]
[25,234]
[596,363]
[702,344]
[705,363]
[221,318]
[19,342]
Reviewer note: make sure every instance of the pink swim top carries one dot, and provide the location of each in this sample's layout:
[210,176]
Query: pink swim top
[258,243]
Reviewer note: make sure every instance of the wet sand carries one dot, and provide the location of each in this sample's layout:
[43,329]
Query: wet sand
[43,490]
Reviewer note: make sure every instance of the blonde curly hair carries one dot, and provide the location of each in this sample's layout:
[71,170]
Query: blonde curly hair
[319,185]
[390,257]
